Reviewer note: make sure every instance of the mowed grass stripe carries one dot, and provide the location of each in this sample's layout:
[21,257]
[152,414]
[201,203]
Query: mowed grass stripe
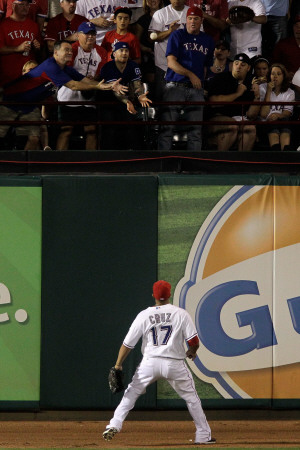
[175,192]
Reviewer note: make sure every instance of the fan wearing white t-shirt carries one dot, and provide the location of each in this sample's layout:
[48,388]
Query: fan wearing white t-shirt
[277,90]
[246,37]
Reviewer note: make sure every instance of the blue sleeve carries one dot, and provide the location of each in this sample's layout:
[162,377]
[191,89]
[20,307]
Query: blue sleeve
[51,70]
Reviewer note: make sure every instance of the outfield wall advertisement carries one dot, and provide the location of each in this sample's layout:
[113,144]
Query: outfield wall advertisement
[20,293]
[234,267]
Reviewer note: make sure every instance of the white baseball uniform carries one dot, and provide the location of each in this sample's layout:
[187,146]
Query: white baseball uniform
[161,21]
[164,330]
[246,37]
[93,9]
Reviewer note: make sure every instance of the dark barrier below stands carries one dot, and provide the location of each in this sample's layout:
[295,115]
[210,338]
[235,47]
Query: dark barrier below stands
[41,162]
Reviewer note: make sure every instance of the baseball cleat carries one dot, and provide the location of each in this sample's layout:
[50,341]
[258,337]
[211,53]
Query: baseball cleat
[211,441]
[109,433]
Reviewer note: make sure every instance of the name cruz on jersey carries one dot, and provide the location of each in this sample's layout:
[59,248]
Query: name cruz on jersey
[160,318]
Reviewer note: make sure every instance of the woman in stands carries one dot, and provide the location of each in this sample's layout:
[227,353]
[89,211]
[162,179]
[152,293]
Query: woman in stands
[277,90]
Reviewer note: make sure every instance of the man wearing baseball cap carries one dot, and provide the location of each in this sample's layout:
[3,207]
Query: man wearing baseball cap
[230,87]
[64,25]
[88,59]
[164,329]
[20,41]
[215,14]
[38,10]
[121,66]
[189,51]
[42,82]
[101,13]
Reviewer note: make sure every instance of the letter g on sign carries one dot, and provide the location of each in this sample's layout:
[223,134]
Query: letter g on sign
[210,329]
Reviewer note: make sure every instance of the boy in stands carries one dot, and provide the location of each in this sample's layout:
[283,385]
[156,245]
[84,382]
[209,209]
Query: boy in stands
[122,17]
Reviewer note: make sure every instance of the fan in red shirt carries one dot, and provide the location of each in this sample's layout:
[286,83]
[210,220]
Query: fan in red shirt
[20,41]
[121,34]
[287,51]
[63,26]
[38,11]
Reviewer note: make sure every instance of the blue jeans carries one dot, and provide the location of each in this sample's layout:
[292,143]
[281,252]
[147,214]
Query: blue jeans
[181,93]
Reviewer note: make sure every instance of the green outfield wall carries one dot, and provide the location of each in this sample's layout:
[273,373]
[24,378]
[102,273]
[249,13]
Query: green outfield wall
[79,255]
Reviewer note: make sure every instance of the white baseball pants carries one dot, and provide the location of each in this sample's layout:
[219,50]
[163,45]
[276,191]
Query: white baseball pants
[180,378]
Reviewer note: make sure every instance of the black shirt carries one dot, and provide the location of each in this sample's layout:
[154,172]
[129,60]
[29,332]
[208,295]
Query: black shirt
[225,84]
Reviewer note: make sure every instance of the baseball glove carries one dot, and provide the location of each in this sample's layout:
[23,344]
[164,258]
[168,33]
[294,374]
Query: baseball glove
[240,14]
[115,380]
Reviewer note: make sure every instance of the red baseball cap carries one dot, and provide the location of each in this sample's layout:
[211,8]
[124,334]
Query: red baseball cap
[194,11]
[161,290]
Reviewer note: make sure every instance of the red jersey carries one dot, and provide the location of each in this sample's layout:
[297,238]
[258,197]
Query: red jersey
[287,52]
[38,8]
[111,37]
[214,8]
[58,28]
[12,34]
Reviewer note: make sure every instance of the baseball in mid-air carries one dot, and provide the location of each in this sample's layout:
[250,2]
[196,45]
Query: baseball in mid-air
[153,36]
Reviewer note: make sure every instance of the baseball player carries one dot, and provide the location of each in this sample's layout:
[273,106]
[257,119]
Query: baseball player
[164,329]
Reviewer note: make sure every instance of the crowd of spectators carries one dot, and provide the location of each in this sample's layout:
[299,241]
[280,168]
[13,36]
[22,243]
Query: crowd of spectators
[132,55]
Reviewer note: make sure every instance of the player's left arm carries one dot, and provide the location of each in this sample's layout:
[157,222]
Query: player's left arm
[193,344]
